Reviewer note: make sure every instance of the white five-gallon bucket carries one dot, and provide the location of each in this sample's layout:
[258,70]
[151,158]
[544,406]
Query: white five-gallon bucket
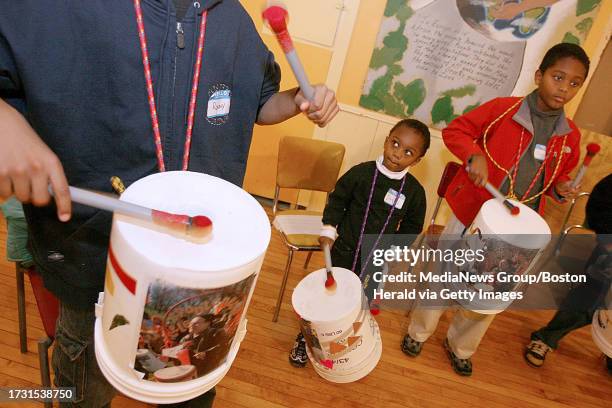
[342,338]
[511,245]
[172,315]
[601,328]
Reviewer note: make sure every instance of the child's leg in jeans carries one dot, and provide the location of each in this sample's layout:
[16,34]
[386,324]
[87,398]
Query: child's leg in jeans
[74,361]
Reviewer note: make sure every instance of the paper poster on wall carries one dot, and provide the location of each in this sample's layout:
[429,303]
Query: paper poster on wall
[435,60]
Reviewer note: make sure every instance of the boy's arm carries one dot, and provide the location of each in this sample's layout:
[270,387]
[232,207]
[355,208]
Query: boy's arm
[461,134]
[285,105]
[414,218]
[28,166]
[276,107]
[560,188]
[339,200]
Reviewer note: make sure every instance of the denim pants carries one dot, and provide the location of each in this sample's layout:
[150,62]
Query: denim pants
[75,365]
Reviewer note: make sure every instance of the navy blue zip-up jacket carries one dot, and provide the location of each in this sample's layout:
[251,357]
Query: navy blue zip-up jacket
[74,68]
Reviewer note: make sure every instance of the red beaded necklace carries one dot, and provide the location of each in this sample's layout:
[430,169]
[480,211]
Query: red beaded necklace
[151,96]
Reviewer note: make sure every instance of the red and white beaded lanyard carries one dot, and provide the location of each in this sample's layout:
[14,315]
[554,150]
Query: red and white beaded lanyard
[194,89]
[512,178]
[365,220]
[524,199]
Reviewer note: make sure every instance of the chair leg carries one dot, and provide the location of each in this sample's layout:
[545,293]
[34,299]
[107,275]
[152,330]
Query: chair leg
[308,259]
[283,284]
[23,335]
[43,359]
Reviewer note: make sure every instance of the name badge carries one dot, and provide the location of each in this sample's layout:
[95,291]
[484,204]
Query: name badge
[219,106]
[539,153]
[390,198]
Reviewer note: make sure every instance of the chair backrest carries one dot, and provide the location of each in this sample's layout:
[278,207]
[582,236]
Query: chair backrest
[48,304]
[308,164]
[450,170]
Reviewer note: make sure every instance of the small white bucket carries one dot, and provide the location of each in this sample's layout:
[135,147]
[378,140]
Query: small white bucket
[172,315]
[343,339]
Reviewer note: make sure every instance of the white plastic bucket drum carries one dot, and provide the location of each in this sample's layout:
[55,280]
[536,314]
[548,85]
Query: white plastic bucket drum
[172,315]
[601,328]
[511,246]
[342,338]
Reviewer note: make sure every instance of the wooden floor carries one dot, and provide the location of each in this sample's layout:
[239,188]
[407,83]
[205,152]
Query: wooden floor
[573,376]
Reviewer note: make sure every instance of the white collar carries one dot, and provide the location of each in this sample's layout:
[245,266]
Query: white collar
[395,175]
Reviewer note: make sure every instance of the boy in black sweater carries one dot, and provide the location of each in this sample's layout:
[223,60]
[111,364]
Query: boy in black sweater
[366,201]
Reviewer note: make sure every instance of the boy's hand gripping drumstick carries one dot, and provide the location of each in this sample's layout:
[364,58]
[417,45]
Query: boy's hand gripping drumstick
[196,227]
[330,282]
[514,210]
[276,17]
[592,150]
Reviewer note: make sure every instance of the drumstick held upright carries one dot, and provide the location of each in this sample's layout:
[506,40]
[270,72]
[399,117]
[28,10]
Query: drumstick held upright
[196,227]
[276,16]
[330,282]
[592,150]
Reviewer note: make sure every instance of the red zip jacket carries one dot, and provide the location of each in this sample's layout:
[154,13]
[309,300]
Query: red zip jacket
[464,137]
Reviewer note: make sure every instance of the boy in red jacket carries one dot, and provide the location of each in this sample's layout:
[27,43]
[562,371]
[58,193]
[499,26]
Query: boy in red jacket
[526,147]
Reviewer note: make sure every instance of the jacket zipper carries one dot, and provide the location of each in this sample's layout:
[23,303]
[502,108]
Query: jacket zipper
[180,36]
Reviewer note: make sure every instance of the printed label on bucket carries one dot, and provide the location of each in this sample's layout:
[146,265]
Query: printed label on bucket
[332,348]
[186,333]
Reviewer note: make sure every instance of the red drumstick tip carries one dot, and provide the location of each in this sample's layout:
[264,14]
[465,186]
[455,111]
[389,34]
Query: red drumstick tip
[593,149]
[375,311]
[276,16]
[514,210]
[198,227]
[330,282]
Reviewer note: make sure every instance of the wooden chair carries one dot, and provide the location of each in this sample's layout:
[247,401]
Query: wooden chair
[303,164]
[48,305]
[433,231]
[48,308]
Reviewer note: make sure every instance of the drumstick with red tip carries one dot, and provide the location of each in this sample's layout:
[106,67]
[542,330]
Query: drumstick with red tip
[197,227]
[592,150]
[276,16]
[330,282]
[514,210]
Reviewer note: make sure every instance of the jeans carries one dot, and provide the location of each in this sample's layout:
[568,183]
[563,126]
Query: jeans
[75,365]
[74,361]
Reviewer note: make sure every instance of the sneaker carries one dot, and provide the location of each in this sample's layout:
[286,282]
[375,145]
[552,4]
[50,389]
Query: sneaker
[298,356]
[535,353]
[411,347]
[460,365]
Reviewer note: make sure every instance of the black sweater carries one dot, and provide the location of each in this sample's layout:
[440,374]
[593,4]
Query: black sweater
[347,204]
